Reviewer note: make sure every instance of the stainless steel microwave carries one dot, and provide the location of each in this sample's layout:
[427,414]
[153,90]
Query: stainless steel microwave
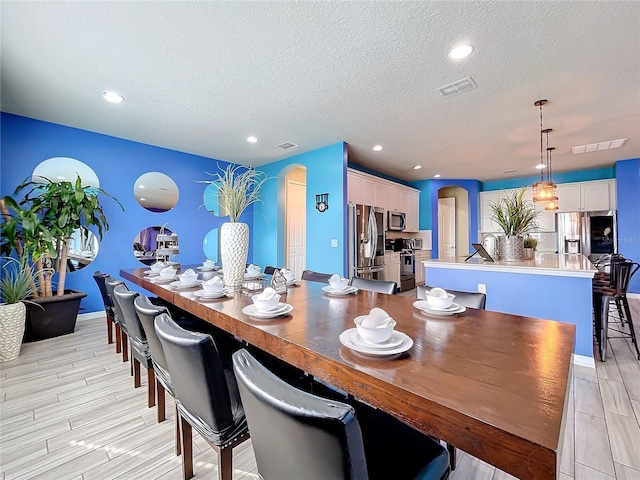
[396,221]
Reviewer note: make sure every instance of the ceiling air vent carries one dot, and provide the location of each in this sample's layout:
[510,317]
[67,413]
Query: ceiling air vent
[287,145]
[459,86]
[598,147]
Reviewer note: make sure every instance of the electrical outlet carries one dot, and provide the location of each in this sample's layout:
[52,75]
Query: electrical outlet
[334,242]
[482,288]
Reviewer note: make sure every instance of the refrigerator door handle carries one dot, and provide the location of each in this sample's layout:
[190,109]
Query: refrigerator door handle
[374,235]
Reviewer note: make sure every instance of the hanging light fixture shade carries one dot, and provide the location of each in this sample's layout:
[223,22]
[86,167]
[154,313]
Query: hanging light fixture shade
[544,191]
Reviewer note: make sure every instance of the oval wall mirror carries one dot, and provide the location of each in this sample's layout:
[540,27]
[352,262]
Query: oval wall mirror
[210,245]
[156,192]
[65,169]
[211,201]
[83,249]
[145,243]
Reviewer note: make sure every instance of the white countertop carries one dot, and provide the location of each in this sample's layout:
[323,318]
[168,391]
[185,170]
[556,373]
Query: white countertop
[560,265]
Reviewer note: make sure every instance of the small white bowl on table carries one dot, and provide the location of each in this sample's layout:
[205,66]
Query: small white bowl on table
[374,334]
[440,299]
[265,305]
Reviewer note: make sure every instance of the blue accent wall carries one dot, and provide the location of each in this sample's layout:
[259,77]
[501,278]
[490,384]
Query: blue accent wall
[425,203]
[628,192]
[566,177]
[118,163]
[564,299]
[326,170]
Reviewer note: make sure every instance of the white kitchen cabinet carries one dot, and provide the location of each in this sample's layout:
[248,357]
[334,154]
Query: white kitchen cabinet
[355,188]
[546,218]
[569,197]
[595,196]
[487,223]
[370,193]
[420,256]
[394,198]
[413,213]
[587,196]
[392,267]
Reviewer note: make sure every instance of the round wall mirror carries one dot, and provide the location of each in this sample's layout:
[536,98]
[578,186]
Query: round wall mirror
[156,192]
[145,243]
[212,202]
[65,169]
[83,248]
[210,245]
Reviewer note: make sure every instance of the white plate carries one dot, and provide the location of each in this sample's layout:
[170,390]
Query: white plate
[339,293]
[202,268]
[394,340]
[406,344]
[161,280]
[208,296]
[424,306]
[281,309]
[252,277]
[178,285]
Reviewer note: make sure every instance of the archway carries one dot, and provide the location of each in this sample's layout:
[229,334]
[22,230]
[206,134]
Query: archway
[460,219]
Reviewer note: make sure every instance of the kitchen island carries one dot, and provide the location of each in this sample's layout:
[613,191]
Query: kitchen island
[552,286]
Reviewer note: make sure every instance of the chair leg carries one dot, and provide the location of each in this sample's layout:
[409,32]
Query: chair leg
[225,465]
[598,301]
[187,449]
[151,388]
[125,346]
[136,372]
[604,328]
[178,433]
[162,415]
[452,456]
[109,330]
[632,330]
[118,338]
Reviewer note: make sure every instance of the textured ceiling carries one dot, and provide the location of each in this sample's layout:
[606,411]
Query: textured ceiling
[200,77]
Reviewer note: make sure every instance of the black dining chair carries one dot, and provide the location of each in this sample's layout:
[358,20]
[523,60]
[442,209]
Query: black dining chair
[466,299]
[206,394]
[312,276]
[269,269]
[99,277]
[372,285]
[299,435]
[620,275]
[121,327]
[140,354]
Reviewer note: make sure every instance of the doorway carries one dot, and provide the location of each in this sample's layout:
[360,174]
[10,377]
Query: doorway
[447,227]
[296,220]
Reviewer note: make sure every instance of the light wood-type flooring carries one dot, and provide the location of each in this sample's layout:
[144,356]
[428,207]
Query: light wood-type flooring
[68,410]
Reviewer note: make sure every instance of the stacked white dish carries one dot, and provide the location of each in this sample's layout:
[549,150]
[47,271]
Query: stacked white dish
[212,288]
[253,272]
[289,276]
[439,303]
[375,335]
[207,266]
[339,286]
[267,305]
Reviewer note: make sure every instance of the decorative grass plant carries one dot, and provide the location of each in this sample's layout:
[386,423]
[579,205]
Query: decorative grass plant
[514,214]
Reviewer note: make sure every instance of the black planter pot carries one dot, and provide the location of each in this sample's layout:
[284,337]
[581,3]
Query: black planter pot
[56,317]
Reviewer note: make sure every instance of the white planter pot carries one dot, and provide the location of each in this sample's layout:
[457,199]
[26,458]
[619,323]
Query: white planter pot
[12,322]
[234,247]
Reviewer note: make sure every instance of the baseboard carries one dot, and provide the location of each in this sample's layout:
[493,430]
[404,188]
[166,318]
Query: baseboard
[91,315]
[634,295]
[584,361]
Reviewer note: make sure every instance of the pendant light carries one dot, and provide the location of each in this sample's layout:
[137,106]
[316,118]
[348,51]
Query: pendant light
[544,191]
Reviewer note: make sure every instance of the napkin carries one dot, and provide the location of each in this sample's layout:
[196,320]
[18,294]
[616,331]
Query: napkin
[253,269]
[208,262]
[337,282]
[167,272]
[213,281]
[288,274]
[267,294]
[377,317]
[188,273]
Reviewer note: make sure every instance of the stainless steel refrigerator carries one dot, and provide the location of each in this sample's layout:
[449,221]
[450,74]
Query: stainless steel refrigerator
[593,234]
[365,232]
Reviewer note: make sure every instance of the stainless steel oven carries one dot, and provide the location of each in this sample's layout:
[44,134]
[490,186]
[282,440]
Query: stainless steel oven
[407,270]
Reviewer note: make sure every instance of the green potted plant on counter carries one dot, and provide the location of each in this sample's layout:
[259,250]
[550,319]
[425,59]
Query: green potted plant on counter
[515,216]
[38,226]
[238,187]
[530,245]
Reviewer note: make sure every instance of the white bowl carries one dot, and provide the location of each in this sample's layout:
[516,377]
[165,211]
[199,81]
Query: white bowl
[253,272]
[440,302]
[168,273]
[188,277]
[265,305]
[208,263]
[378,334]
[156,267]
[213,287]
[340,284]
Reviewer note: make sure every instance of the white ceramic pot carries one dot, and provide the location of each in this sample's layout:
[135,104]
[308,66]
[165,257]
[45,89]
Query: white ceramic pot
[234,247]
[12,322]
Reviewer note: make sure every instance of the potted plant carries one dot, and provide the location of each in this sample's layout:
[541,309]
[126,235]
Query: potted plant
[238,187]
[16,287]
[515,216]
[530,245]
[39,226]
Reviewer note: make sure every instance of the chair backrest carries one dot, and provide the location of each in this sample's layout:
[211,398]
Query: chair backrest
[111,283]
[199,380]
[372,285]
[466,299]
[99,277]
[125,298]
[623,273]
[312,276]
[296,434]
[147,313]
[268,270]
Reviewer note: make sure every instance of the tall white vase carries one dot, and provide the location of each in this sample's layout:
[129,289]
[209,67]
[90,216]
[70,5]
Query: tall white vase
[12,323]
[234,247]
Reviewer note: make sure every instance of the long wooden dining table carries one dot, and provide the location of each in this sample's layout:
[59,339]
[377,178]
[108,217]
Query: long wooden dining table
[492,384]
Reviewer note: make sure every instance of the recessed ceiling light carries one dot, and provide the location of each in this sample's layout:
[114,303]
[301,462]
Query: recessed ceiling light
[437,175]
[252,139]
[541,166]
[417,167]
[461,51]
[113,97]
[377,148]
